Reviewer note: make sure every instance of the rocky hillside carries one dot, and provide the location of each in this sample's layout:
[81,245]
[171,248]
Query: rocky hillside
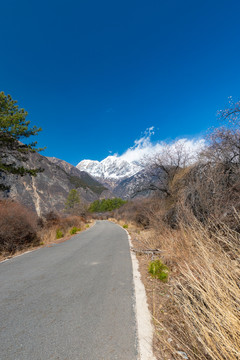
[79,178]
[136,186]
[47,190]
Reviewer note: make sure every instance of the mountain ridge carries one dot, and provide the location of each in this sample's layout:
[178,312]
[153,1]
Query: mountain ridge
[126,179]
[111,168]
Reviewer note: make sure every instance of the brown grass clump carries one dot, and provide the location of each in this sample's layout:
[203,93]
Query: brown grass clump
[54,224]
[197,313]
[18,227]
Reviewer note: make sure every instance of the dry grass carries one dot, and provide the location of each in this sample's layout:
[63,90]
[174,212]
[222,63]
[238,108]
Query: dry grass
[198,311]
[48,234]
[21,229]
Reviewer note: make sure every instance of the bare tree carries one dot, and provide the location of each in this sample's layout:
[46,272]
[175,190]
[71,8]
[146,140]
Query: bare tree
[224,142]
[164,166]
[213,186]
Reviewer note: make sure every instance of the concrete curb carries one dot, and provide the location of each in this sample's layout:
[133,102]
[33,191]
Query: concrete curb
[143,315]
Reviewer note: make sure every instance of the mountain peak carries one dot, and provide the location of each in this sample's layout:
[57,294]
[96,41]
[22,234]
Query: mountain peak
[110,168]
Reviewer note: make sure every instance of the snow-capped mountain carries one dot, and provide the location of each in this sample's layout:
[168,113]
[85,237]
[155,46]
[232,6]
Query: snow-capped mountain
[111,169]
[125,179]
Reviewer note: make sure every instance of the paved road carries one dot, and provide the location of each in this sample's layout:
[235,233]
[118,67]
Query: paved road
[72,301]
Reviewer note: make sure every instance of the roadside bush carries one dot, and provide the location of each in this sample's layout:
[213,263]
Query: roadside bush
[59,234]
[51,218]
[134,211]
[105,205]
[57,226]
[74,230]
[18,227]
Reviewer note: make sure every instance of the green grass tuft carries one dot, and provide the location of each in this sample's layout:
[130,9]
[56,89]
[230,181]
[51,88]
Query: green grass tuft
[159,270]
[74,230]
[59,234]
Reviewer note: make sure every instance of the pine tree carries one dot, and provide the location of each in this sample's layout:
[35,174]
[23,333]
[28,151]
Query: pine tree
[13,128]
[13,123]
[73,200]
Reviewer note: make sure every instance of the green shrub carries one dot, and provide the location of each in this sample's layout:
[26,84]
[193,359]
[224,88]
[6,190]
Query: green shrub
[125,226]
[59,234]
[87,226]
[106,205]
[74,230]
[159,270]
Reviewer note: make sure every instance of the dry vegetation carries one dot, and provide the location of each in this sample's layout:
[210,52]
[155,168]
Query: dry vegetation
[18,227]
[197,313]
[21,229]
[196,228]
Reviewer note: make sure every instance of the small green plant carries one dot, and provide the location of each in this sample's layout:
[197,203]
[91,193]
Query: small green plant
[159,270]
[59,234]
[125,226]
[74,230]
[87,226]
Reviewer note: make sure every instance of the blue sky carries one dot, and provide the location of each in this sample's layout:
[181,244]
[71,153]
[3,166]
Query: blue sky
[95,74]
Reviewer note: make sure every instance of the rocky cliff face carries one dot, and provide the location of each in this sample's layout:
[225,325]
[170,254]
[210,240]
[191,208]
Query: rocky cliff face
[47,190]
[136,186]
[77,177]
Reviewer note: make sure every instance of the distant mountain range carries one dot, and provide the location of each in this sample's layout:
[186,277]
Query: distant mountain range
[111,170]
[124,178]
[48,190]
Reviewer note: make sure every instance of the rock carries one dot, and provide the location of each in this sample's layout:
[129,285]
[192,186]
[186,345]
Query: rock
[182,354]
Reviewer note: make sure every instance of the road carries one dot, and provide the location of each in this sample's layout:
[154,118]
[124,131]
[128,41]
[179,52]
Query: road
[71,301]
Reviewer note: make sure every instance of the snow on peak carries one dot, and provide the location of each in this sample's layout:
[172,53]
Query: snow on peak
[131,162]
[112,167]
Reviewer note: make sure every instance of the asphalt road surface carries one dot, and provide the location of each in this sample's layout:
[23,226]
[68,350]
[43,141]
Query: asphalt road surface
[71,301]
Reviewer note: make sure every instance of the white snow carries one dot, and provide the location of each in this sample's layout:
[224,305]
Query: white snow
[112,167]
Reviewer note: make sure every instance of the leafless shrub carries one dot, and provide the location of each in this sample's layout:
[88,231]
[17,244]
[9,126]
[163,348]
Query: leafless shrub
[134,211]
[51,218]
[18,227]
[165,165]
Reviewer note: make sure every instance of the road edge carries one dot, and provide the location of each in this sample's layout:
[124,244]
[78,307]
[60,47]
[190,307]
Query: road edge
[143,316]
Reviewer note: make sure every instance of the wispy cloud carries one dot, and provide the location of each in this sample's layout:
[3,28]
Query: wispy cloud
[144,147]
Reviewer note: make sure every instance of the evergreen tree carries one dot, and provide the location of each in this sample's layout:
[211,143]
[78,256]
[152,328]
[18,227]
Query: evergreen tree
[13,123]
[106,205]
[13,128]
[73,200]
